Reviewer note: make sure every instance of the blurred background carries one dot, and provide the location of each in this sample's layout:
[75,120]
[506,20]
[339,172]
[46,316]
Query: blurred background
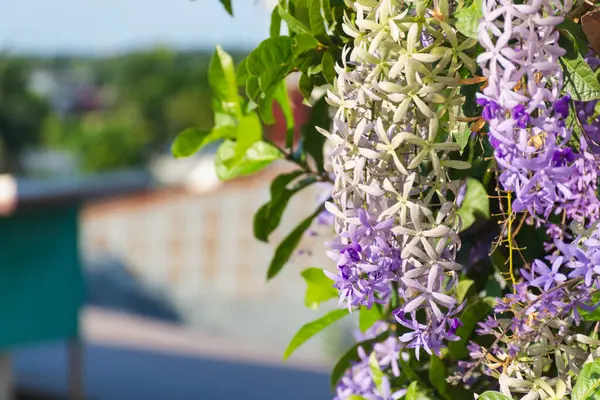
[128,274]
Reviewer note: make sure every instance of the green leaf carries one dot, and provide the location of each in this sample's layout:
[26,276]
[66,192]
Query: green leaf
[588,382]
[575,35]
[293,24]
[275,29]
[465,286]
[305,85]
[437,376]
[593,315]
[249,132]
[282,97]
[227,5]
[494,396]
[241,74]
[191,140]
[475,204]
[467,19]
[270,62]
[317,23]
[221,117]
[376,372]
[351,356]
[415,392]
[229,165]
[328,67]
[312,328]
[459,129]
[289,244]
[304,42]
[327,11]
[471,315]
[300,10]
[188,142]
[252,87]
[367,317]
[319,288]
[355,397]
[579,79]
[410,373]
[312,140]
[269,215]
[221,77]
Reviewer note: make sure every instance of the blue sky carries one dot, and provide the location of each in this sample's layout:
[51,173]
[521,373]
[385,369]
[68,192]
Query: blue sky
[108,26]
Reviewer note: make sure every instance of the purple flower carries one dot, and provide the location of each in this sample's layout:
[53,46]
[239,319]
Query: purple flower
[561,106]
[521,116]
[490,108]
[546,277]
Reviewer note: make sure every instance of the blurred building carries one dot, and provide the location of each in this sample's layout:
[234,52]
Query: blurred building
[199,250]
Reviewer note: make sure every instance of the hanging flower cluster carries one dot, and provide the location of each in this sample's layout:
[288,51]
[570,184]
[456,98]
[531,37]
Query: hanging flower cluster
[537,348]
[368,377]
[393,198]
[405,122]
[522,102]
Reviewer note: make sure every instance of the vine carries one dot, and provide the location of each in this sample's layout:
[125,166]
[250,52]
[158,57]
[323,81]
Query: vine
[418,111]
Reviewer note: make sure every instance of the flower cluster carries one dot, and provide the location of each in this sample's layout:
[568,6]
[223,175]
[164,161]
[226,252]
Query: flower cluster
[522,102]
[536,327]
[368,377]
[397,95]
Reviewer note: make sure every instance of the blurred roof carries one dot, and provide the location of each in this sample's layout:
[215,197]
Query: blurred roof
[27,193]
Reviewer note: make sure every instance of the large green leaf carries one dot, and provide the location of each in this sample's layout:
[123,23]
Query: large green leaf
[471,315]
[467,19]
[289,244]
[312,328]
[267,218]
[475,204]
[221,77]
[270,62]
[494,396]
[579,79]
[191,140]
[351,356]
[588,382]
[319,288]
[229,165]
[367,317]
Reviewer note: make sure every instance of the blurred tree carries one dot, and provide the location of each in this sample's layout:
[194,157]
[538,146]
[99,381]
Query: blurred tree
[22,113]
